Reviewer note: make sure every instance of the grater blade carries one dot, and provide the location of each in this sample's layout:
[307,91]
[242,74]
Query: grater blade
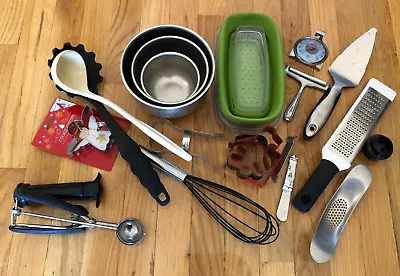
[349,137]
[338,212]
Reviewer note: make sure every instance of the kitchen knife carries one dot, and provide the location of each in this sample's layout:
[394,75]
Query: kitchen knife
[346,71]
[347,141]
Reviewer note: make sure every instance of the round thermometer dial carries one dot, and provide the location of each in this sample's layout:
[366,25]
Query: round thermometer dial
[310,50]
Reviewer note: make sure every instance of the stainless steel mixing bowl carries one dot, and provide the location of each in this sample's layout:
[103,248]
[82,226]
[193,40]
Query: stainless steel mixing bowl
[170,44]
[163,110]
[169,77]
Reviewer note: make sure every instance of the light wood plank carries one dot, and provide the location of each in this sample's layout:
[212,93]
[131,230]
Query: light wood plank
[207,236]
[350,248]
[11,18]
[393,81]
[65,252]
[137,202]
[170,257]
[23,97]
[225,7]
[42,168]
[7,55]
[282,268]
[296,24]
[9,179]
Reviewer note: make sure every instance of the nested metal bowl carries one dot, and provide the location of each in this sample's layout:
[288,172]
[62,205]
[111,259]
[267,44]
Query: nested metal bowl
[169,44]
[169,77]
[158,109]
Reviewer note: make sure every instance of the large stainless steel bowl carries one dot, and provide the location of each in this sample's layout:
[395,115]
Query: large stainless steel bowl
[162,110]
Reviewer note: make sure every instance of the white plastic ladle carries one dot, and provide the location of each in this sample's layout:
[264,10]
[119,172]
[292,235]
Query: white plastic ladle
[69,72]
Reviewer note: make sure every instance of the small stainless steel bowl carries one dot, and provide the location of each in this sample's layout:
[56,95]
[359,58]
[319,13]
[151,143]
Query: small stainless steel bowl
[165,110]
[170,43]
[169,77]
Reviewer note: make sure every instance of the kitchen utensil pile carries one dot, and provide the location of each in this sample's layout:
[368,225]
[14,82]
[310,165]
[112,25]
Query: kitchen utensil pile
[169,69]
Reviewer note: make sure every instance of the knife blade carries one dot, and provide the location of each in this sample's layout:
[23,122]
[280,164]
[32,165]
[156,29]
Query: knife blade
[285,153]
[347,71]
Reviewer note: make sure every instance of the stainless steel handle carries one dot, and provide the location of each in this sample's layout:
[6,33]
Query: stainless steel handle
[165,165]
[322,111]
[292,107]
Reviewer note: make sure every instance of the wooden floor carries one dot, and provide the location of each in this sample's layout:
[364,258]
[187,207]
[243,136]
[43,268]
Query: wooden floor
[181,238]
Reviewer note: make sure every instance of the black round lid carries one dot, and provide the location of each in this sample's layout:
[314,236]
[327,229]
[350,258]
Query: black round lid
[378,147]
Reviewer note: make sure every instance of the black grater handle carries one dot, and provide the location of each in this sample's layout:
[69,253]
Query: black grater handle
[321,112]
[315,185]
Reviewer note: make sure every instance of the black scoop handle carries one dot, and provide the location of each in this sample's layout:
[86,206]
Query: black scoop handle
[49,200]
[139,163]
[44,231]
[315,185]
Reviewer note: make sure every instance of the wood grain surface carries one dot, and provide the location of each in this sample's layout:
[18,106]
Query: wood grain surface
[182,239]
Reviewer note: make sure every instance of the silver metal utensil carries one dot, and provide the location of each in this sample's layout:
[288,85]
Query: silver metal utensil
[285,153]
[129,231]
[347,70]
[283,207]
[347,141]
[220,202]
[305,81]
[338,212]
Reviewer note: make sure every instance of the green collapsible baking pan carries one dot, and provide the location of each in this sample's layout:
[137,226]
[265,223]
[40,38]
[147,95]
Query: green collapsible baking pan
[277,70]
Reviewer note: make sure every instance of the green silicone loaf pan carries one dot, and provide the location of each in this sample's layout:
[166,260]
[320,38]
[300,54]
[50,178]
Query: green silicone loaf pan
[277,68]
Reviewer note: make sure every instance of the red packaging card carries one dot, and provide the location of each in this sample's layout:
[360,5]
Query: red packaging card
[55,135]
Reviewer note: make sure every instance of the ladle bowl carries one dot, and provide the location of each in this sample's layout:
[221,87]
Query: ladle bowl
[69,72]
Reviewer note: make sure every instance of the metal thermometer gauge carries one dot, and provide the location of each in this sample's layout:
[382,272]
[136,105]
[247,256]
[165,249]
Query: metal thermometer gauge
[310,50]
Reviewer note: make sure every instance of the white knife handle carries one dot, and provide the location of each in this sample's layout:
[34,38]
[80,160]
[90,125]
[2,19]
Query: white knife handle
[322,111]
[283,207]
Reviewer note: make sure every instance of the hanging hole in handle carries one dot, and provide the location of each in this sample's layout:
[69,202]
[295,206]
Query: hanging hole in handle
[312,128]
[163,198]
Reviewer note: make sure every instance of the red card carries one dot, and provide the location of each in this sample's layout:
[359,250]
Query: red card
[53,136]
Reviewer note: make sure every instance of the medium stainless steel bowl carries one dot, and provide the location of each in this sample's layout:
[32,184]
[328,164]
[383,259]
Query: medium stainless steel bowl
[170,44]
[162,110]
[169,77]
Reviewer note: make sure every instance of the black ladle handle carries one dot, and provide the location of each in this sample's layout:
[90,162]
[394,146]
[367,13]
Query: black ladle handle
[139,163]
